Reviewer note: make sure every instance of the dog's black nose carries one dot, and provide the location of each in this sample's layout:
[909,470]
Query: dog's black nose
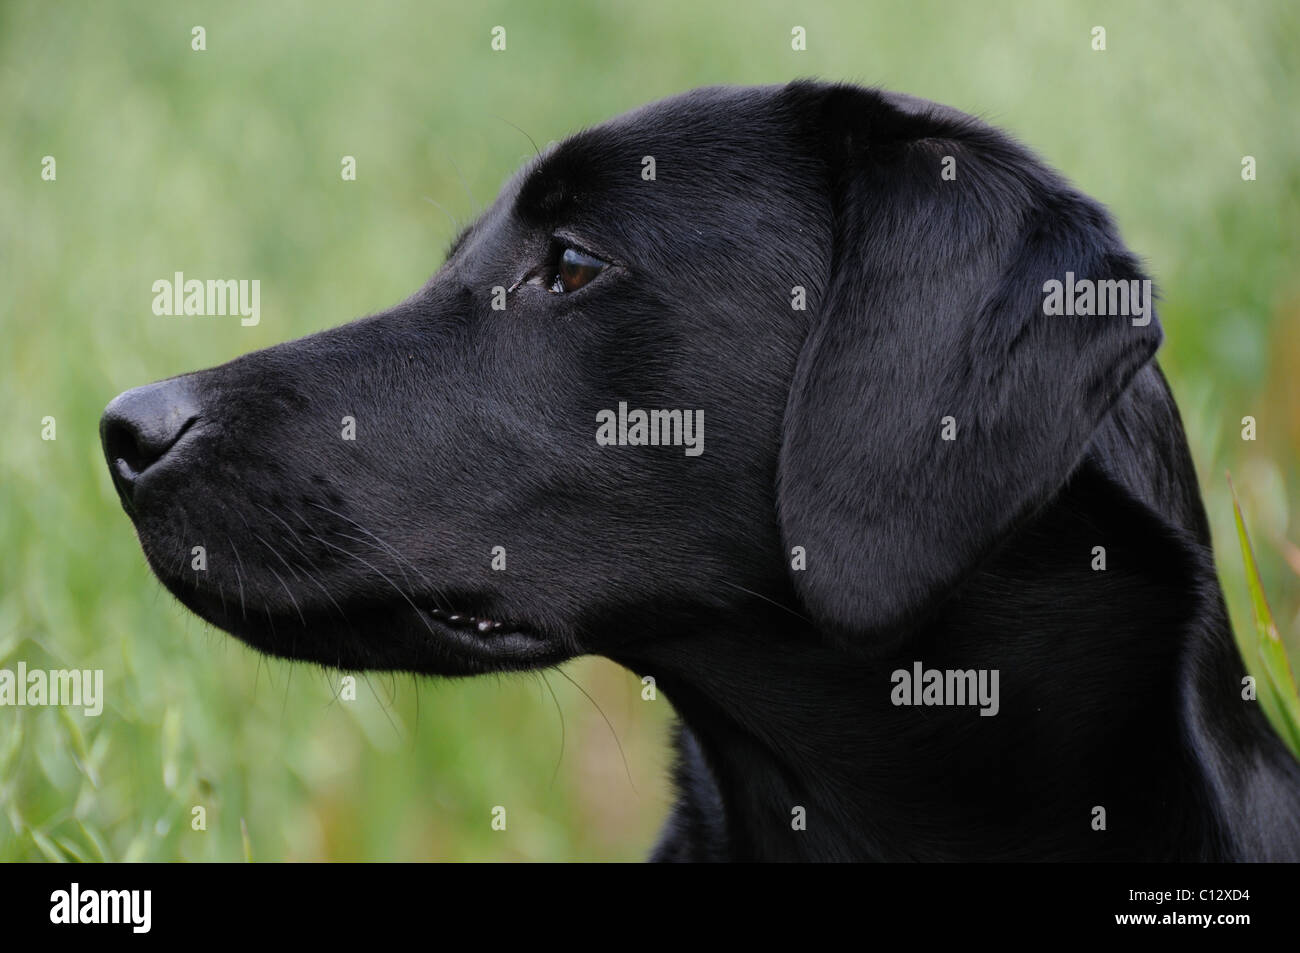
[140,426]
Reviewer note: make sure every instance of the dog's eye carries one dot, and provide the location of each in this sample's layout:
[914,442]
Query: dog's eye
[574,270]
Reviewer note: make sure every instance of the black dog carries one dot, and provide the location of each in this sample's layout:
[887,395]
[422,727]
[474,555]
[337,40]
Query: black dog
[912,464]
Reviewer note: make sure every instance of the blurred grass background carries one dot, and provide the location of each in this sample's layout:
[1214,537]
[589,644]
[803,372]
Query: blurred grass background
[226,163]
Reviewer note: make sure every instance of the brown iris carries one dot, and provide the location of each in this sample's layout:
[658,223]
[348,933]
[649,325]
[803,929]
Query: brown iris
[574,270]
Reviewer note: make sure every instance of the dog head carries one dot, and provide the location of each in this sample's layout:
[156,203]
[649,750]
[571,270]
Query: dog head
[842,290]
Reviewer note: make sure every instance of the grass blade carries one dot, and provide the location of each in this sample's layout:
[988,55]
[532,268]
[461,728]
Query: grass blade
[1284,709]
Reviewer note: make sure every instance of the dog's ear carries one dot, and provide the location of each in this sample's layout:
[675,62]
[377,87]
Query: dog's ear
[938,401]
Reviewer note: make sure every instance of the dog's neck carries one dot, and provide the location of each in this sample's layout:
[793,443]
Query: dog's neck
[775,731]
[811,758]
[813,752]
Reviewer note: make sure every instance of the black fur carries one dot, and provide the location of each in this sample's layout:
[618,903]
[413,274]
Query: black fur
[476,428]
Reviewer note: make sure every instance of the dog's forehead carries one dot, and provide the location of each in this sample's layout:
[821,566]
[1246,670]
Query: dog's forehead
[682,142]
[680,167]
[699,110]
[701,137]
[728,149]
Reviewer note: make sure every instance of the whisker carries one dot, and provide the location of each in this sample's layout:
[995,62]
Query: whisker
[416,682]
[396,554]
[559,711]
[275,552]
[418,612]
[239,578]
[526,136]
[626,768]
[382,707]
[283,585]
[759,595]
[309,566]
[454,224]
[278,517]
[465,185]
[284,706]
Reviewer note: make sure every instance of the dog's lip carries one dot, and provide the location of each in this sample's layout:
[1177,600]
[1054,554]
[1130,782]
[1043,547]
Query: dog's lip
[483,625]
[426,639]
[485,639]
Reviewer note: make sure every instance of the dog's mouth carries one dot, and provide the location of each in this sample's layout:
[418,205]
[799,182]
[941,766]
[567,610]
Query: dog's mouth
[484,626]
[374,632]
[496,643]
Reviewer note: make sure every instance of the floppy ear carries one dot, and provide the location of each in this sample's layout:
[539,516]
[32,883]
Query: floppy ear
[936,403]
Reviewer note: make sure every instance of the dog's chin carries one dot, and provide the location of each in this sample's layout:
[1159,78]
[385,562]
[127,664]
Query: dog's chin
[376,635]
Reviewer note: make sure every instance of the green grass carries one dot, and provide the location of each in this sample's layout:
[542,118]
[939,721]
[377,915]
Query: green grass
[226,162]
[1277,688]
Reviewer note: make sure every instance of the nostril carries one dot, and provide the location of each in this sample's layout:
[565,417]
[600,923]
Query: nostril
[135,449]
[123,448]
[140,426]
[139,444]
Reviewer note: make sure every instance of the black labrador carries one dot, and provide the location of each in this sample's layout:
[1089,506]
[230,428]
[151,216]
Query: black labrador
[939,583]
